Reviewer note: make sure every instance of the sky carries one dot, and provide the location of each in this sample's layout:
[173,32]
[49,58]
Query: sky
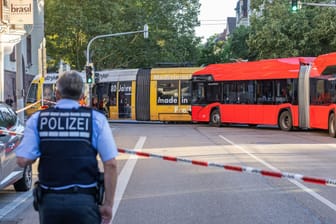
[213,16]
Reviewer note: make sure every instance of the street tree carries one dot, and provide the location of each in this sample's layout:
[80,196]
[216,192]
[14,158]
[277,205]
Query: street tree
[277,31]
[211,51]
[71,24]
[238,44]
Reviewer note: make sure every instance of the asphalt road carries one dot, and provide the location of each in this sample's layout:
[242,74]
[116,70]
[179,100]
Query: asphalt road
[151,190]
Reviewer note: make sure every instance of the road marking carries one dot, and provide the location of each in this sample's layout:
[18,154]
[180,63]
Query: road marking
[298,184]
[125,175]
[15,203]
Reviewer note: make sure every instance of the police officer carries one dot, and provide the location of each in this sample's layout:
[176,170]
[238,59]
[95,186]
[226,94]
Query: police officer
[66,139]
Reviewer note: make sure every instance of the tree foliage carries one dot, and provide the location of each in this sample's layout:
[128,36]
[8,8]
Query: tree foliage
[211,51]
[278,32]
[275,31]
[70,25]
[238,43]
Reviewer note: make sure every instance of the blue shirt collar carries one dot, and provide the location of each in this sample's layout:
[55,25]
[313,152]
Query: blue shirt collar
[67,104]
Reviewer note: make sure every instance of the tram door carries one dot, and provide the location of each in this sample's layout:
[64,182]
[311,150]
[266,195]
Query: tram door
[125,99]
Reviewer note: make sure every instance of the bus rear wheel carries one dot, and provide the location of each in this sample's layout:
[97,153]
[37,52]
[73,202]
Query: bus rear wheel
[215,119]
[285,121]
[331,125]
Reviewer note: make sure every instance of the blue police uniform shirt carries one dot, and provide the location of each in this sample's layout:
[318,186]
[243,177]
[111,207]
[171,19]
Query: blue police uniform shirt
[102,139]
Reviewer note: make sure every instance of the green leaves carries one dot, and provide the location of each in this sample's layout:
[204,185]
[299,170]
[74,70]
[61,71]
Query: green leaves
[70,25]
[275,32]
[280,33]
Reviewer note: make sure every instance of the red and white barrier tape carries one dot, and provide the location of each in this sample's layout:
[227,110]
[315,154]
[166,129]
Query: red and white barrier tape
[299,177]
[48,101]
[27,107]
[31,105]
[12,133]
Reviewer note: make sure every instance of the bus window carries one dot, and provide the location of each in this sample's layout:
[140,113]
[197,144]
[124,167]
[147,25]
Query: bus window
[167,92]
[185,92]
[251,99]
[229,94]
[265,91]
[333,91]
[245,92]
[232,92]
[198,93]
[32,93]
[213,92]
[281,91]
[320,91]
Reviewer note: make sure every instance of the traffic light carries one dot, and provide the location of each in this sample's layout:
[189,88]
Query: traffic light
[96,77]
[295,5]
[89,74]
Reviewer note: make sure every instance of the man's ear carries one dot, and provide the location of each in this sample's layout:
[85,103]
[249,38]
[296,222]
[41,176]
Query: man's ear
[58,95]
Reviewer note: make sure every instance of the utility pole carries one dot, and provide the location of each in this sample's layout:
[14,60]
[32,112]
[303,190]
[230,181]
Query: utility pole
[144,31]
[19,80]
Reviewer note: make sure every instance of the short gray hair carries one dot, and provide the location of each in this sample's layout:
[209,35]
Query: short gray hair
[70,85]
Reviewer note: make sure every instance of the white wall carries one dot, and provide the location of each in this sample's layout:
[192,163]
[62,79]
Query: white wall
[37,33]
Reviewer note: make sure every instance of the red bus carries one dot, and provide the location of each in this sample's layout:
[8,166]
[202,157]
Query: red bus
[298,92]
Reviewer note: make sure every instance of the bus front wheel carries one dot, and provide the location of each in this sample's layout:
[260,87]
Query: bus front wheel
[331,125]
[285,121]
[215,119]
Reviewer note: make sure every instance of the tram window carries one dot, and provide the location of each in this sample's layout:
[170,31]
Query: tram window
[102,91]
[113,94]
[32,94]
[167,92]
[125,95]
[185,92]
[48,92]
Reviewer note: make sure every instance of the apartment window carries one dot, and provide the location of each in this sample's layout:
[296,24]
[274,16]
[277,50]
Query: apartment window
[244,8]
[29,50]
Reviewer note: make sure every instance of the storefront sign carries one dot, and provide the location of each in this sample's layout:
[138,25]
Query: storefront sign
[21,12]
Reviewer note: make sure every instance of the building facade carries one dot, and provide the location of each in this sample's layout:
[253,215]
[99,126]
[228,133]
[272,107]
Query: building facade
[29,46]
[243,12]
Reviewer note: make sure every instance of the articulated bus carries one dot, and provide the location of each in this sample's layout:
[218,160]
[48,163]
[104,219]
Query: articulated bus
[291,93]
[157,94]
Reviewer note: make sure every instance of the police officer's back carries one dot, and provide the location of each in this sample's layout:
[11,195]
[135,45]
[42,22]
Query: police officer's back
[66,139]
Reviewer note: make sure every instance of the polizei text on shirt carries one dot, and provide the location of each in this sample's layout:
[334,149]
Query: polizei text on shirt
[64,124]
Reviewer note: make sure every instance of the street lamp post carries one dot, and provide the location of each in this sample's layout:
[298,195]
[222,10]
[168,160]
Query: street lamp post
[144,31]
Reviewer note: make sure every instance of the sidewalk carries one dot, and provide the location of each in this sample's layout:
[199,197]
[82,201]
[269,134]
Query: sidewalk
[24,214]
